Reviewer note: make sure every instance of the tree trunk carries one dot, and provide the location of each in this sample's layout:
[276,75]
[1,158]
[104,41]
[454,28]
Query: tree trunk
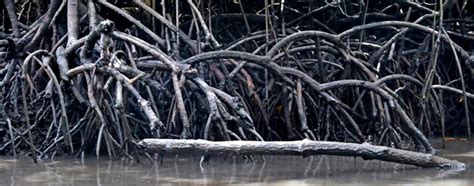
[304,148]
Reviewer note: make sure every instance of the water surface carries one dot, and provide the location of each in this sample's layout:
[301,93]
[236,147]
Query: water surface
[276,170]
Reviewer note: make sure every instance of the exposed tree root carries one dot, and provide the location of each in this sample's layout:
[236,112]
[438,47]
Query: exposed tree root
[96,76]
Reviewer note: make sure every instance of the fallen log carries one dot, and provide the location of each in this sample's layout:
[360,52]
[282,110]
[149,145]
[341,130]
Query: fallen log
[303,147]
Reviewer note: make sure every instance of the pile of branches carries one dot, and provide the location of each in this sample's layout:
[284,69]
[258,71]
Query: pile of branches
[97,76]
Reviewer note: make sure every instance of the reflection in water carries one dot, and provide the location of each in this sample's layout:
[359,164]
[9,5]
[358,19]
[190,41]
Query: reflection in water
[277,170]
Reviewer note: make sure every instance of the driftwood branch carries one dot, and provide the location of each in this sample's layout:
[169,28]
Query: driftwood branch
[303,148]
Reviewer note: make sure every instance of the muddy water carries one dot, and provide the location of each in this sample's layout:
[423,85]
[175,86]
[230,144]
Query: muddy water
[277,170]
